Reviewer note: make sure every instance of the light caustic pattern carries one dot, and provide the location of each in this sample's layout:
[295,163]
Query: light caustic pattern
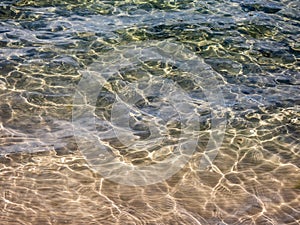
[136,110]
[151,114]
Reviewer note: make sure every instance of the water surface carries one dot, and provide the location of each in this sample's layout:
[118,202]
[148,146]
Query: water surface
[251,47]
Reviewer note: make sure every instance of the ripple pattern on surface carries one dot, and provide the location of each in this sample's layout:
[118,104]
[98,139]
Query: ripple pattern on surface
[252,45]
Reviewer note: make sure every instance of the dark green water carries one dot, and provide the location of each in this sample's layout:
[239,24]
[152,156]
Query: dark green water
[71,72]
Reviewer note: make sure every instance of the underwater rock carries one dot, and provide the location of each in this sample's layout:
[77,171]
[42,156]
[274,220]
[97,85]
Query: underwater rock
[265,6]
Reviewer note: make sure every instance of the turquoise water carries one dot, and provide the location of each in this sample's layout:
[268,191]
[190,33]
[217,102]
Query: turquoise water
[149,112]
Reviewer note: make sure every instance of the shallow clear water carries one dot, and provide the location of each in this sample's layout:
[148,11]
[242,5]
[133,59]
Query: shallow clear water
[149,112]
